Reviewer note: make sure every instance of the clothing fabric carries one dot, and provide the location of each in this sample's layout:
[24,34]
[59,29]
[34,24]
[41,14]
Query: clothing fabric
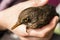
[54,2]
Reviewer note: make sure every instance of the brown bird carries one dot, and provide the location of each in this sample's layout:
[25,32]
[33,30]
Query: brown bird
[36,17]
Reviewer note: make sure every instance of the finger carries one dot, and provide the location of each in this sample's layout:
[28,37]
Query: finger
[39,2]
[52,24]
[46,29]
[20,30]
[23,5]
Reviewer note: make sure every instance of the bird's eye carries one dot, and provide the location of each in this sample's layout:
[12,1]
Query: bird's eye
[26,20]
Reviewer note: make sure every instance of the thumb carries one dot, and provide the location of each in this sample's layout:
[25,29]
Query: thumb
[39,2]
[23,5]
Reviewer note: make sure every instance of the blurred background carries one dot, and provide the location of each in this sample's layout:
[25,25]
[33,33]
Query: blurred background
[7,35]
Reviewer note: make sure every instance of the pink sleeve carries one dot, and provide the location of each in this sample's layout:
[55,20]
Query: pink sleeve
[54,2]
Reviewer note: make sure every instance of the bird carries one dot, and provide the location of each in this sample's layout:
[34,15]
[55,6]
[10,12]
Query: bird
[36,17]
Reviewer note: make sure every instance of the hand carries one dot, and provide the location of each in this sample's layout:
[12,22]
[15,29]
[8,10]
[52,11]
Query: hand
[43,33]
[9,17]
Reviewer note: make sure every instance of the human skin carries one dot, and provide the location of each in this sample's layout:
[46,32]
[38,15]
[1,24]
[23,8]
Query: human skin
[9,17]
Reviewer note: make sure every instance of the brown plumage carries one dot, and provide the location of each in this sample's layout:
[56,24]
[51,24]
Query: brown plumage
[36,17]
